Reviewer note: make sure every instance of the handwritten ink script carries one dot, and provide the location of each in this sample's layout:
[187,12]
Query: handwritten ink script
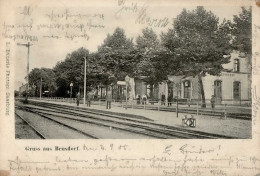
[255,67]
[256,103]
[141,12]
[170,161]
[26,10]
[33,25]
[53,24]
[255,55]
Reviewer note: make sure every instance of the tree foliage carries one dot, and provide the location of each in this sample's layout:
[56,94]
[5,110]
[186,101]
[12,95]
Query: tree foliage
[44,77]
[117,40]
[152,58]
[199,43]
[116,57]
[242,31]
[71,70]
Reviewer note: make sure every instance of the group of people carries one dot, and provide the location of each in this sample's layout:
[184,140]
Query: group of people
[169,99]
[143,99]
[89,98]
[140,100]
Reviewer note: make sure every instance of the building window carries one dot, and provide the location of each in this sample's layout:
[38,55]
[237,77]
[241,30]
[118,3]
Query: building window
[186,85]
[149,90]
[236,90]
[236,65]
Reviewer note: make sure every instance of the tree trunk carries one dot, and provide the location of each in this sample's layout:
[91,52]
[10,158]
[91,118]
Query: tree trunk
[203,104]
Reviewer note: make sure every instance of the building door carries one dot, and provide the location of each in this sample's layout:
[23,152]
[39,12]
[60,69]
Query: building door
[170,88]
[218,91]
[121,92]
[187,89]
[236,90]
[150,91]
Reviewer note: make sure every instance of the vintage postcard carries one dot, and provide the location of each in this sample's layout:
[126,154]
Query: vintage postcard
[127,87]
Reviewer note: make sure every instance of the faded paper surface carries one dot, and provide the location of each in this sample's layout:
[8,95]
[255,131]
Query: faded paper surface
[35,22]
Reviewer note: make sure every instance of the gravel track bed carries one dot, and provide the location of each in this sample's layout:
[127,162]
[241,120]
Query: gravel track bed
[177,132]
[50,129]
[223,127]
[122,130]
[99,131]
[59,110]
[23,130]
[128,126]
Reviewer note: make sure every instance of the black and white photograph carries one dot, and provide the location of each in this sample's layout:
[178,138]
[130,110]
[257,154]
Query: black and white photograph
[129,88]
[133,71]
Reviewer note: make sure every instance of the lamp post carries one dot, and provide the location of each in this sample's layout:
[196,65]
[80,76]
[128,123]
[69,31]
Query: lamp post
[127,78]
[177,108]
[71,85]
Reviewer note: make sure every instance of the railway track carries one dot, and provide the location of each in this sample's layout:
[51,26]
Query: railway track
[142,127]
[31,126]
[207,112]
[44,131]
[86,125]
[244,116]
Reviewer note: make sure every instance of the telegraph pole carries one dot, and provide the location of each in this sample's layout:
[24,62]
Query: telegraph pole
[177,108]
[127,79]
[27,77]
[85,77]
[41,90]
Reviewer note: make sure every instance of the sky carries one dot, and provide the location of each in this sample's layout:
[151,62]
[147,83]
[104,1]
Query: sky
[46,52]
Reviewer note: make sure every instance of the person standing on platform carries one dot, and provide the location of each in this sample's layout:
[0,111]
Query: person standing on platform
[78,98]
[170,99]
[89,99]
[144,98]
[212,101]
[163,99]
[109,99]
[138,98]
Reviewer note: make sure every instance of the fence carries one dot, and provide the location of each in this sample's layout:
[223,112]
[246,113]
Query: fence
[229,102]
[175,106]
[57,99]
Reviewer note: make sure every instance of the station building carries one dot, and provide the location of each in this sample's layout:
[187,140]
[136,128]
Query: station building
[233,86]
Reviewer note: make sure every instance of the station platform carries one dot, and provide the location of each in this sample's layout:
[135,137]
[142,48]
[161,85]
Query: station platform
[238,128]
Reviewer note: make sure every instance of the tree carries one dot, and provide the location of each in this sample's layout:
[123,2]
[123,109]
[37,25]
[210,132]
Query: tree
[171,43]
[116,57]
[42,78]
[242,31]
[200,45]
[71,71]
[242,37]
[117,40]
[16,93]
[152,58]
